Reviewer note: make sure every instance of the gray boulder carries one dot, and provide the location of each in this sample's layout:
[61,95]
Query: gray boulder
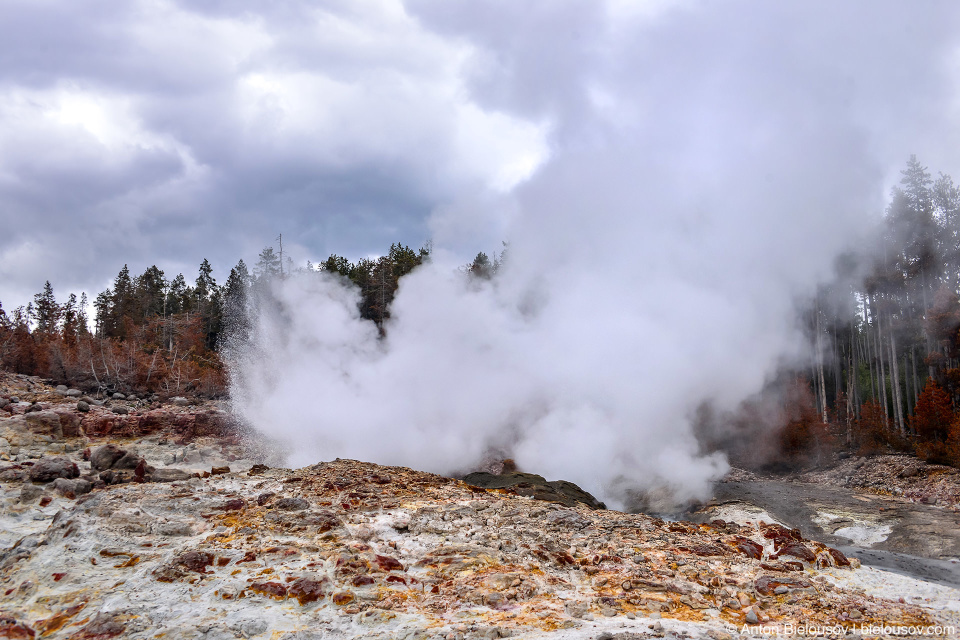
[103,458]
[73,393]
[66,487]
[119,396]
[49,469]
[180,401]
[44,423]
[30,493]
[83,407]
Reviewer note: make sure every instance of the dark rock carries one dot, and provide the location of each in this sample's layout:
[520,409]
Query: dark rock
[72,488]
[766,585]
[291,504]
[103,458]
[120,411]
[306,590]
[748,547]
[118,396]
[130,460]
[49,469]
[72,393]
[83,406]
[69,423]
[169,475]
[323,520]
[535,486]
[216,471]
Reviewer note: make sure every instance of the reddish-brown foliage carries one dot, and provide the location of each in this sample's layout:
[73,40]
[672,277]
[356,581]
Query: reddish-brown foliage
[804,437]
[167,357]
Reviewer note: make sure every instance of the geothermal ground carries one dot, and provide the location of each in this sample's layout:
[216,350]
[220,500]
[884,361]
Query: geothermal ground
[138,519]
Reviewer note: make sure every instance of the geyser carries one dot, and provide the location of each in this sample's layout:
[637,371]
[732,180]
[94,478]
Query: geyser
[707,166]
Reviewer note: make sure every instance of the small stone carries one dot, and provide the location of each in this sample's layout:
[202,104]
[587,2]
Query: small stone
[751,617]
[855,614]
[121,411]
[657,627]
[631,615]
[780,591]
[131,397]
[73,393]
[608,612]
[216,471]
[179,401]
[83,406]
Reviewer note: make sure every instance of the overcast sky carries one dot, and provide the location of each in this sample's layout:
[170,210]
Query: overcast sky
[164,132]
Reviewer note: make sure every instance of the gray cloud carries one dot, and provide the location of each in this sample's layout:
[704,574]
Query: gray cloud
[134,133]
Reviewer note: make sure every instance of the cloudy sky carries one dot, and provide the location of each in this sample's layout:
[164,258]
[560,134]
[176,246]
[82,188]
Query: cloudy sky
[166,131]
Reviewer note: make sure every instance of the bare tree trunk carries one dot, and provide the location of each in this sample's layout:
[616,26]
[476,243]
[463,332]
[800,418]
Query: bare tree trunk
[895,379]
[883,375]
[916,384]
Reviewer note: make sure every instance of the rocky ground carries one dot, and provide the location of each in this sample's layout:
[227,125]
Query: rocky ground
[899,475]
[164,521]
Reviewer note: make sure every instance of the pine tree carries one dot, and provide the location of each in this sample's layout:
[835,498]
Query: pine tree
[124,307]
[236,291]
[46,311]
[150,293]
[268,266]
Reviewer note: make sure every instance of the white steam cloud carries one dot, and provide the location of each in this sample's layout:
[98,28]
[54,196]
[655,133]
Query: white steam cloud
[708,164]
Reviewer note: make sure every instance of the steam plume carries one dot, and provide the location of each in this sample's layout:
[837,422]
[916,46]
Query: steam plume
[708,164]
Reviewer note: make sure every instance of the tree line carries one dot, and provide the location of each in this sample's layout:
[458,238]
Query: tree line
[884,370]
[154,334]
